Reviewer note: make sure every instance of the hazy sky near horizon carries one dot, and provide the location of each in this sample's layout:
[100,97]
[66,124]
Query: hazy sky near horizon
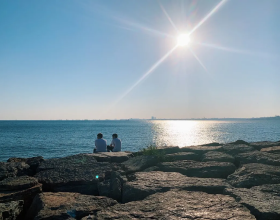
[85,59]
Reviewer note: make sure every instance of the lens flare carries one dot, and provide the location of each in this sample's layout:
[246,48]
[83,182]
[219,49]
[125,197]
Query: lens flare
[183,40]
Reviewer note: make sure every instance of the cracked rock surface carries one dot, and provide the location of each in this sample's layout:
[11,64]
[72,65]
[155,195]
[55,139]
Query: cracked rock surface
[64,205]
[143,184]
[254,174]
[179,205]
[211,169]
[263,201]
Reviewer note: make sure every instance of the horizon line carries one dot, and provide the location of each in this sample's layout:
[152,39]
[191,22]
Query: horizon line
[127,119]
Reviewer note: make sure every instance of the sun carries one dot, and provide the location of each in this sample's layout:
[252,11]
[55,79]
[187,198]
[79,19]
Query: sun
[183,40]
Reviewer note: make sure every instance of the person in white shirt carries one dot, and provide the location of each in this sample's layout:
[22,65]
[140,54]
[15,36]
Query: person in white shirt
[100,144]
[116,143]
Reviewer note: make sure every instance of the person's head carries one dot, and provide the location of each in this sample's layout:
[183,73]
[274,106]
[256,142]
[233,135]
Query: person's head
[115,136]
[99,135]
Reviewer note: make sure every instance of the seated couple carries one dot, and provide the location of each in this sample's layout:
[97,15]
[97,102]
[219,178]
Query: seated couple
[101,144]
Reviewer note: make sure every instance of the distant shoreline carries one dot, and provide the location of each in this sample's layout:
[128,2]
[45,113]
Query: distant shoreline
[139,119]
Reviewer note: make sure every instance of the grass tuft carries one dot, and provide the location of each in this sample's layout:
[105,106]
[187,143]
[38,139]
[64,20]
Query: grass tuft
[153,151]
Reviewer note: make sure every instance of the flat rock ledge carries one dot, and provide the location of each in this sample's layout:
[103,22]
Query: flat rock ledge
[112,157]
[179,205]
[262,201]
[65,205]
[210,169]
[238,180]
[143,184]
[11,210]
[254,174]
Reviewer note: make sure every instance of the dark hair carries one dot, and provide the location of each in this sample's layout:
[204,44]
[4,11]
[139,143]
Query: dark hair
[100,135]
[115,135]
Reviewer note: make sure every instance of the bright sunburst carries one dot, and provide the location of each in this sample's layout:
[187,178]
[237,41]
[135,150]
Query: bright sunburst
[183,40]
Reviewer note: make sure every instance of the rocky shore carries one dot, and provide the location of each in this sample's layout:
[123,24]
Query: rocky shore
[237,181]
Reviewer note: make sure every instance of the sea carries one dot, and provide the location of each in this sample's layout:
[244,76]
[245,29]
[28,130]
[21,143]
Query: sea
[53,139]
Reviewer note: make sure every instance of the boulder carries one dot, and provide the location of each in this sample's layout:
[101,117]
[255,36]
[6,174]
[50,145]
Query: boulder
[240,142]
[258,157]
[273,189]
[33,162]
[11,210]
[113,157]
[275,150]
[63,205]
[143,184]
[154,168]
[264,144]
[13,169]
[19,188]
[179,205]
[233,149]
[139,163]
[211,169]
[254,174]
[78,160]
[200,149]
[80,177]
[263,204]
[168,149]
[182,156]
[217,156]
[17,183]
[22,188]
[112,187]
[23,194]
[77,173]
[212,144]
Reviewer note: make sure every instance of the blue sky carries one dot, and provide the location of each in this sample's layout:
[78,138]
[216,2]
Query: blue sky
[79,59]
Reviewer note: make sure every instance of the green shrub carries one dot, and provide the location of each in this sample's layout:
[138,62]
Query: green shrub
[153,151]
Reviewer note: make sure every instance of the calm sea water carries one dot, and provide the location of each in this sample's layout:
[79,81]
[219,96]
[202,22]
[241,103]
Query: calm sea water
[61,138]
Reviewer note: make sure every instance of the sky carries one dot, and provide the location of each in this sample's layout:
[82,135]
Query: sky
[85,59]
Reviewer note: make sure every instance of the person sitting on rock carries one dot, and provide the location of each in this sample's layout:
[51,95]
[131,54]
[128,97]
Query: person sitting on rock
[100,144]
[116,144]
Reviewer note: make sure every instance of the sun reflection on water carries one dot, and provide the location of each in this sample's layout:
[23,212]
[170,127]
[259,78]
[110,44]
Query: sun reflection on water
[185,132]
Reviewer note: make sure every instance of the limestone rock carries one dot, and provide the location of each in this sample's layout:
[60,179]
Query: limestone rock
[11,210]
[23,188]
[211,169]
[168,149]
[112,187]
[79,160]
[143,184]
[63,205]
[13,169]
[179,205]
[264,204]
[26,194]
[182,156]
[17,183]
[218,156]
[113,157]
[254,174]
[33,162]
[264,144]
[275,150]
[200,149]
[212,144]
[139,163]
[154,168]
[240,142]
[80,177]
[273,189]
[77,173]
[258,157]
[233,149]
